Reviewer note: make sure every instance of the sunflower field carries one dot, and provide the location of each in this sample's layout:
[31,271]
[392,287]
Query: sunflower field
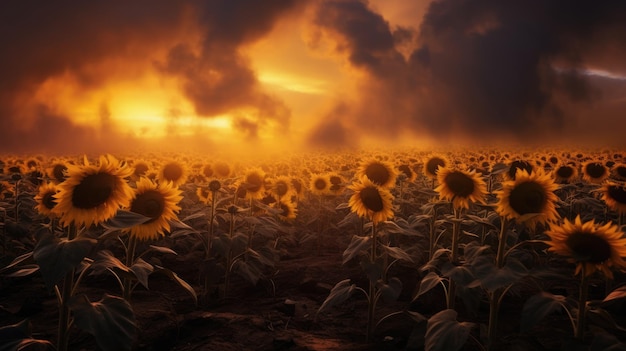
[355,250]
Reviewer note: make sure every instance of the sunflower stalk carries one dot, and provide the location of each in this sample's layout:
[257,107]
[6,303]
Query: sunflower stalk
[229,257]
[371,306]
[65,296]
[496,296]
[582,304]
[130,258]
[456,229]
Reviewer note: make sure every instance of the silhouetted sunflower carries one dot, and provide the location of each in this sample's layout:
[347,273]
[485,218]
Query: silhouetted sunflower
[204,194]
[289,210]
[173,172]
[140,169]
[597,247]
[337,184]
[57,172]
[281,187]
[92,194]
[45,199]
[159,203]
[564,174]
[371,201]
[296,185]
[518,164]
[595,172]
[614,195]
[379,172]
[254,183]
[528,193]
[433,164]
[619,171]
[320,184]
[460,187]
[406,170]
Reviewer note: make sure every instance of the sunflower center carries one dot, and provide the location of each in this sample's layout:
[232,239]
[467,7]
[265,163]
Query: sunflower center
[286,209]
[621,171]
[617,193]
[433,165]
[406,170]
[281,188]
[515,165]
[172,172]
[320,184]
[595,170]
[141,169]
[554,160]
[93,191]
[48,200]
[528,197]
[565,172]
[255,182]
[207,171]
[460,184]
[215,185]
[150,204]
[377,173]
[58,172]
[589,247]
[371,199]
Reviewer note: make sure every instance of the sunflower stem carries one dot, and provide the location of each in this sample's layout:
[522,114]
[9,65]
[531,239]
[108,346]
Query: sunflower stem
[130,258]
[229,257]
[371,306]
[501,254]
[66,295]
[582,303]
[456,229]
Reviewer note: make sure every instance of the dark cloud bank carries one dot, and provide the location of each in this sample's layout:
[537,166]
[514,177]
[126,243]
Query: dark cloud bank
[484,70]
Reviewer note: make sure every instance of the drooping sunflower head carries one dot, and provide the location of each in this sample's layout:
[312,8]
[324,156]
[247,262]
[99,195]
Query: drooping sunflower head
[254,183]
[173,172]
[45,199]
[157,202]
[320,184]
[371,201]
[379,172]
[289,211]
[92,194]
[619,171]
[432,165]
[614,195]
[57,172]
[591,246]
[518,164]
[565,173]
[281,186]
[528,194]
[460,187]
[595,172]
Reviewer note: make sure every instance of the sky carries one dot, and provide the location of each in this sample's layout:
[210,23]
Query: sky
[92,76]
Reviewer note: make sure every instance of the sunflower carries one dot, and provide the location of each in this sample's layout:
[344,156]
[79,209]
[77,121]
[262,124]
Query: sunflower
[173,172]
[92,194]
[45,199]
[221,169]
[337,184]
[619,171]
[57,172]
[159,203]
[408,173]
[433,164]
[288,209]
[595,172]
[208,171]
[379,172]
[371,201]
[597,247]
[140,169]
[528,193]
[518,164]
[254,183]
[460,187]
[204,194]
[614,195]
[281,187]
[7,190]
[564,174]
[320,184]
[296,185]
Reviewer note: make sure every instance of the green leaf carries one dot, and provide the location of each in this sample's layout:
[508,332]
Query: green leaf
[429,281]
[161,249]
[24,271]
[603,319]
[18,337]
[391,291]
[617,294]
[111,321]
[398,253]
[177,279]
[339,294]
[357,245]
[57,257]
[445,333]
[17,260]
[125,219]
[141,270]
[247,271]
[480,220]
[538,307]
[373,270]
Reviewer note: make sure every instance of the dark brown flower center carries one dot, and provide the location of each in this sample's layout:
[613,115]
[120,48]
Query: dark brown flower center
[565,172]
[595,170]
[554,160]
[370,196]
[432,166]
[587,247]
[515,165]
[621,171]
[459,184]
[320,184]
[172,172]
[617,193]
[528,197]
[58,172]
[140,169]
[254,182]
[150,204]
[281,188]
[207,171]
[377,173]
[93,191]
[48,200]
[215,185]
[406,170]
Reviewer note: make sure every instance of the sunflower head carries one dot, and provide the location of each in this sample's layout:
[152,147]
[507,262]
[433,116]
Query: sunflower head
[288,211]
[254,183]
[619,171]
[159,203]
[45,199]
[92,194]
[461,187]
[379,172]
[408,173]
[221,169]
[281,186]
[614,195]
[337,184]
[296,185]
[518,164]
[320,184]
[173,172]
[433,164]
[592,246]
[371,201]
[565,173]
[595,172]
[204,194]
[140,169]
[528,194]
[207,171]
[58,172]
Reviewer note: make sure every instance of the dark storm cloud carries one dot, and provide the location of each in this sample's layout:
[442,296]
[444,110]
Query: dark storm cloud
[480,67]
[332,132]
[44,39]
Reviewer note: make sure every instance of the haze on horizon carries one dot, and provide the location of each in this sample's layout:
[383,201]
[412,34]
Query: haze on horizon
[114,75]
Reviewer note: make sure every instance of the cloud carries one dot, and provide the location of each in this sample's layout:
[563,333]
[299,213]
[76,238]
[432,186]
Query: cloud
[480,68]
